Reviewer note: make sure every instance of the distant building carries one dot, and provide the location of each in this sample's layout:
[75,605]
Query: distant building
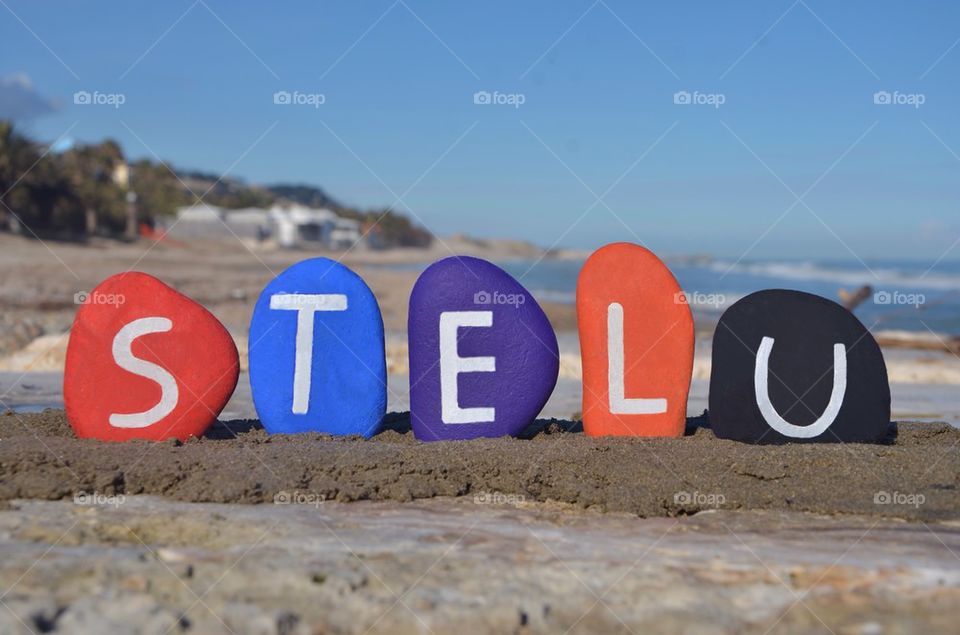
[196,221]
[251,223]
[346,233]
[300,226]
[291,225]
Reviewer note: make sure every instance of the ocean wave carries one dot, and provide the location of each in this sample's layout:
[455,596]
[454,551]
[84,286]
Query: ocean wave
[880,277]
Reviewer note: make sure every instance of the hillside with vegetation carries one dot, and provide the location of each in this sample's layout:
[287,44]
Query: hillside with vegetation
[91,190]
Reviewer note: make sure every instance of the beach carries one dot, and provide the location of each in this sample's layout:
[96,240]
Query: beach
[245,532]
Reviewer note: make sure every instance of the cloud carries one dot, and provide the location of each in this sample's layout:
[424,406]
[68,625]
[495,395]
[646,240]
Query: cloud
[20,101]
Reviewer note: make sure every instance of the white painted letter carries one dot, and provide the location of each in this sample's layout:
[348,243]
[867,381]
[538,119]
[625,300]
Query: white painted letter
[451,365]
[770,413]
[123,356]
[305,305]
[619,404]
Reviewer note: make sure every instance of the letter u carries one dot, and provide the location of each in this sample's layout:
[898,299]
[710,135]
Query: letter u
[770,414]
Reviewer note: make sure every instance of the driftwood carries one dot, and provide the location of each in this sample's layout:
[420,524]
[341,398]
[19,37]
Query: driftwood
[919,341]
[852,299]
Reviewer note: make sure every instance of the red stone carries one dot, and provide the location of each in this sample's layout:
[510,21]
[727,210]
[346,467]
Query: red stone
[146,362]
[639,386]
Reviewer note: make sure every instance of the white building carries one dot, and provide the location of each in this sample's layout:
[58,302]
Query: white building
[291,225]
[300,226]
[249,223]
[346,233]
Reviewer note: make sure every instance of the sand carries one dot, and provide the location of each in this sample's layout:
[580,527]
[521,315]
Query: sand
[913,476]
[39,282]
[554,532]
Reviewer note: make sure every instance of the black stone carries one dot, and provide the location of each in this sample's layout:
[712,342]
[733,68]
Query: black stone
[804,329]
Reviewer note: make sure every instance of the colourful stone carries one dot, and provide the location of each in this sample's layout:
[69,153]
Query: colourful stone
[790,366]
[146,362]
[317,360]
[483,355]
[636,344]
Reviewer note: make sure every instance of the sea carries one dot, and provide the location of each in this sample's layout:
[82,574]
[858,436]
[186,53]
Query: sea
[907,295]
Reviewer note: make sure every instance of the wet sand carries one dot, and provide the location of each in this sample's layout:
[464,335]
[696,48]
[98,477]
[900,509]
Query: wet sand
[914,476]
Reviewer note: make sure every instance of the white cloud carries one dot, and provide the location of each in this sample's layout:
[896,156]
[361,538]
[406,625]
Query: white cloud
[20,101]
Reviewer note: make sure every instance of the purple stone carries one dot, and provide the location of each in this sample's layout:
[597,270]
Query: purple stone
[483,356]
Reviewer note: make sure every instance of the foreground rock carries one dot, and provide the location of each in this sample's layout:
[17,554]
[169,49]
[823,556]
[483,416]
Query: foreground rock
[317,362]
[133,369]
[637,343]
[483,564]
[790,367]
[483,356]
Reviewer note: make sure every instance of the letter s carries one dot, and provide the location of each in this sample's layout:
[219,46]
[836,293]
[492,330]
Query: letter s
[123,356]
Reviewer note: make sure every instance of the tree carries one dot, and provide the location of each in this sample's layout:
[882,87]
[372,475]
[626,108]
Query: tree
[159,193]
[90,170]
[17,156]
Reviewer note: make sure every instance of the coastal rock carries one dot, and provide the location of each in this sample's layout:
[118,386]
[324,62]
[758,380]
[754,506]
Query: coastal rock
[316,352]
[637,344]
[483,356]
[790,366]
[146,362]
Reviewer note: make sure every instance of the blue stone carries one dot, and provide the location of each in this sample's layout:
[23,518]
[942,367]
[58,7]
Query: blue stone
[316,352]
[483,355]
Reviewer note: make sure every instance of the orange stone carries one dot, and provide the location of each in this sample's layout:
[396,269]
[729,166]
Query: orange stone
[636,342]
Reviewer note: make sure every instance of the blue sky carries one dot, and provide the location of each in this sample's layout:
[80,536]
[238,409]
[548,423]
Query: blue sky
[598,151]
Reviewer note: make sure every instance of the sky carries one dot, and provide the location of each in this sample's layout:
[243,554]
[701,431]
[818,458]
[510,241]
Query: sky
[767,129]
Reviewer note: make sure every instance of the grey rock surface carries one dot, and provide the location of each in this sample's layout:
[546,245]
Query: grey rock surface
[485,564]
